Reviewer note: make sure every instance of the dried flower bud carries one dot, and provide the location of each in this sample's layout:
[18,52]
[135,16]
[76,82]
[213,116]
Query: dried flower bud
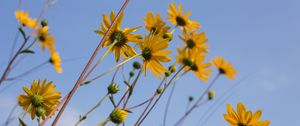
[191,98]
[118,116]
[113,88]
[131,73]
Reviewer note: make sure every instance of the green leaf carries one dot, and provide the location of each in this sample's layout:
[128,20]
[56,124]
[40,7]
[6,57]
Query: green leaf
[22,32]
[27,51]
[22,122]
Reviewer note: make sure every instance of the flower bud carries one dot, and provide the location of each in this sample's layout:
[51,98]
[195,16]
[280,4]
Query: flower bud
[172,68]
[168,35]
[113,88]
[211,94]
[118,116]
[131,73]
[167,74]
[44,23]
[159,90]
[191,98]
[40,112]
[136,65]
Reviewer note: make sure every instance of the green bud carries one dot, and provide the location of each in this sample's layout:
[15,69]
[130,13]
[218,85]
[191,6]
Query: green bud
[167,74]
[191,98]
[113,88]
[131,73]
[159,90]
[40,112]
[136,65]
[172,68]
[168,35]
[44,23]
[211,94]
[118,116]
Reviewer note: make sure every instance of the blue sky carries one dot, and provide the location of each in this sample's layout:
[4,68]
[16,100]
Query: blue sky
[258,36]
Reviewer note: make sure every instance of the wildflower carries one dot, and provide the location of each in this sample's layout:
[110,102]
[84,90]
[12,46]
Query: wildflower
[46,40]
[153,53]
[155,24]
[24,19]
[195,41]
[176,17]
[224,67]
[118,116]
[40,100]
[243,117]
[118,36]
[56,62]
[194,61]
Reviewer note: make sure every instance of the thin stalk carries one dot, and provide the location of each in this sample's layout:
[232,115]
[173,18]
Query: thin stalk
[79,81]
[138,105]
[104,122]
[168,105]
[110,70]
[91,110]
[132,88]
[9,118]
[182,119]
[174,78]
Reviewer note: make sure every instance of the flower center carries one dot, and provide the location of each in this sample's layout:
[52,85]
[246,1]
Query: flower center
[42,38]
[37,100]
[222,71]
[118,37]
[194,67]
[146,53]
[180,21]
[153,30]
[241,124]
[190,43]
[187,62]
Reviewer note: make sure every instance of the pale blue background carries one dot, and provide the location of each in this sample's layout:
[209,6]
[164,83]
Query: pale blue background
[257,36]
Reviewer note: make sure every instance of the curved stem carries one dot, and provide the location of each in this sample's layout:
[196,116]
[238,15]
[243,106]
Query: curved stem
[91,110]
[168,105]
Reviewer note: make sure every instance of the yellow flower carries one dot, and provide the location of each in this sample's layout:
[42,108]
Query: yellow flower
[40,99]
[155,24]
[176,17]
[56,62]
[118,36]
[46,40]
[193,60]
[224,67]
[118,116]
[153,53]
[195,41]
[24,19]
[243,117]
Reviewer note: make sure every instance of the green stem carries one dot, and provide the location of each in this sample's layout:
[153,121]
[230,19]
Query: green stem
[90,111]
[103,123]
[99,76]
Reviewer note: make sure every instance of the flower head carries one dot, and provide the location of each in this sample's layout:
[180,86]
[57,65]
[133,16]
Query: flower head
[155,24]
[194,61]
[56,62]
[243,117]
[118,36]
[46,40]
[195,41]
[118,116]
[224,67]
[153,53]
[182,20]
[40,100]
[24,19]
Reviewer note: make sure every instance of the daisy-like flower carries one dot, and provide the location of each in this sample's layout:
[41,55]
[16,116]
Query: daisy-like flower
[40,100]
[153,53]
[194,61]
[24,19]
[46,40]
[56,62]
[243,117]
[195,41]
[118,36]
[182,20]
[224,67]
[155,24]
